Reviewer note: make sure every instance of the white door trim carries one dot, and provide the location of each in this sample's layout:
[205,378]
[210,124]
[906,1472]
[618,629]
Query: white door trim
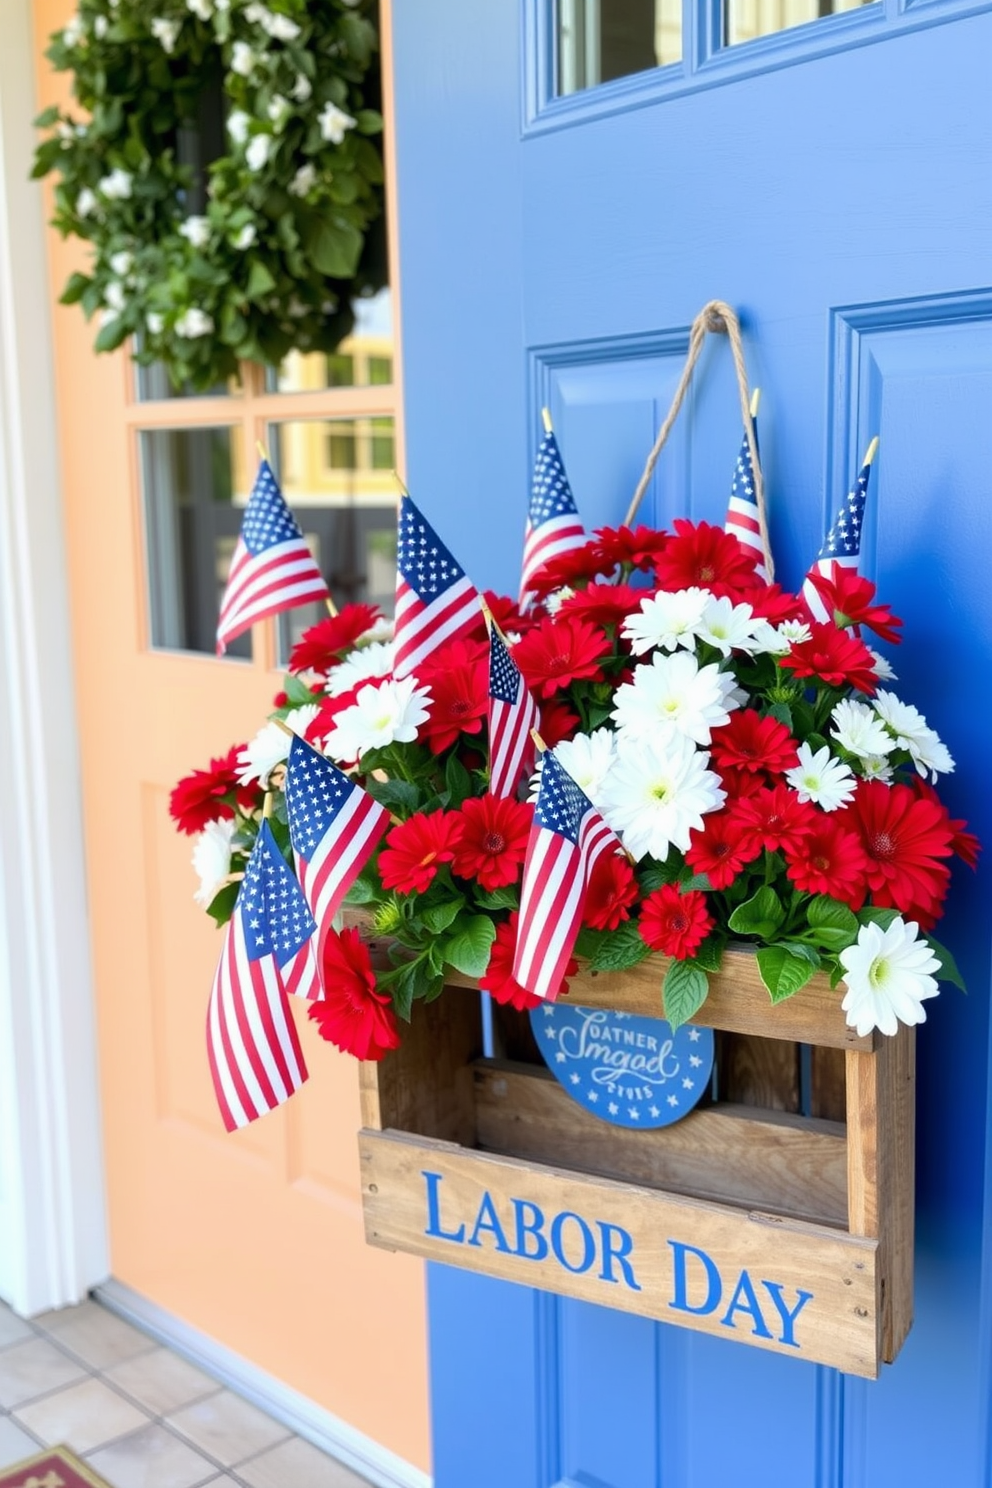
[53,1236]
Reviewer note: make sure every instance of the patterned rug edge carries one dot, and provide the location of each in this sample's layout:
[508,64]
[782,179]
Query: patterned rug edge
[55,1467]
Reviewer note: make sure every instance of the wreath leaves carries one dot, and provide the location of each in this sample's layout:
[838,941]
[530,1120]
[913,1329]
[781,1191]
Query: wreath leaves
[223,164]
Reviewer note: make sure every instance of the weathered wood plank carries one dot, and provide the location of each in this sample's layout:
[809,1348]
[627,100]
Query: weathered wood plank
[425,1085]
[758,1159]
[881,1124]
[828,1084]
[758,1071]
[722,1271]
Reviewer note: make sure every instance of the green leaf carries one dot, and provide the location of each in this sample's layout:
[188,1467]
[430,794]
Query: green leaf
[948,966]
[507,897]
[684,989]
[406,986]
[297,692]
[782,972]
[783,713]
[366,120]
[618,949]
[761,915]
[654,875]
[873,916]
[800,948]
[692,881]
[49,116]
[334,247]
[111,335]
[468,949]
[260,281]
[221,906]
[401,795]
[365,890]
[710,953]
[831,923]
[440,916]
[74,290]
[458,782]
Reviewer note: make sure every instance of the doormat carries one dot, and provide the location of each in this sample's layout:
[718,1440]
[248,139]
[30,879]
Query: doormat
[55,1468]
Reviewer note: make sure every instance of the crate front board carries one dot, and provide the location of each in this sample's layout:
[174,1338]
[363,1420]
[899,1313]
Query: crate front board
[744,1220]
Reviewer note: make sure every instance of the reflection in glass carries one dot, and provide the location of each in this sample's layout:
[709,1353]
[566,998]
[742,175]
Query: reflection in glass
[746,19]
[192,524]
[364,359]
[337,475]
[603,39]
[153,384]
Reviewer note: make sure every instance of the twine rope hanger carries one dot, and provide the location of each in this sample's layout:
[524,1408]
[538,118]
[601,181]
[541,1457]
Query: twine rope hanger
[718,318]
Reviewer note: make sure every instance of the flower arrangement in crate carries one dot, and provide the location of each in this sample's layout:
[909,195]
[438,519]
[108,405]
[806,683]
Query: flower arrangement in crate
[653,748]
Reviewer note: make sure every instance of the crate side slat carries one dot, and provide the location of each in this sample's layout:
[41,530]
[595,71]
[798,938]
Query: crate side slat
[758,1071]
[425,1085]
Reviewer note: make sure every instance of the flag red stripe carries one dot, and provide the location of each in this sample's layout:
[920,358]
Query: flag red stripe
[421,628]
[345,849]
[509,740]
[554,537]
[247,568]
[555,877]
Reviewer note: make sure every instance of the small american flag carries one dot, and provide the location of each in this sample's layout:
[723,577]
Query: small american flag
[743,521]
[512,715]
[566,839]
[252,1044]
[272,568]
[842,547]
[435,602]
[334,826]
[553,525]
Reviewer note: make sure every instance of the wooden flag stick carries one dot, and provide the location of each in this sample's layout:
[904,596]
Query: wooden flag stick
[401,483]
[871,452]
[546,420]
[263,452]
[755,400]
[267,808]
[539,743]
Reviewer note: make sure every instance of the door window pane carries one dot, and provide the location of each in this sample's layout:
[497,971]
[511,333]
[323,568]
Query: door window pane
[364,359]
[192,521]
[603,39]
[744,20]
[337,475]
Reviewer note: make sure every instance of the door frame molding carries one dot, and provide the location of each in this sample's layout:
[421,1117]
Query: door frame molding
[52,1209]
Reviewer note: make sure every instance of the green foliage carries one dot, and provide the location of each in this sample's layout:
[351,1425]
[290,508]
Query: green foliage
[685,989]
[616,950]
[467,950]
[782,970]
[283,232]
[761,915]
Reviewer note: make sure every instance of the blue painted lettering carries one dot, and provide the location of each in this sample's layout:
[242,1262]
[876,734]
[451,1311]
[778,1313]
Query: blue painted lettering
[532,1226]
[434,1213]
[585,1234]
[487,1220]
[620,1253]
[745,1300]
[774,1290]
[714,1290]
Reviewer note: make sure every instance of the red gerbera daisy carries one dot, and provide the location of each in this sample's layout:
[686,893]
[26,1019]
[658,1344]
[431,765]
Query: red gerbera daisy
[498,979]
[603,604]
[675,923]
[904,837]
[705,556]
[416,849]
[506,614]
[352,1014]
[638,547]
[199,798]
[576,567]
[829,859]
[848,597]
[324,644]
[612,890]
[775,816]
[557,722]
[750,742]
[557,652]
[966,845]
[329,707]
[835,657]
[493,841]
[458,677]
[721,848]
[773,603]
[738,783]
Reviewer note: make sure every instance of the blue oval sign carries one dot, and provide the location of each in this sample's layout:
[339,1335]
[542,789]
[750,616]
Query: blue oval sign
[631,1071]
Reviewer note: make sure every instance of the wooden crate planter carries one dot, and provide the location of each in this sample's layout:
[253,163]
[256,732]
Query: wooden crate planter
[791,1233]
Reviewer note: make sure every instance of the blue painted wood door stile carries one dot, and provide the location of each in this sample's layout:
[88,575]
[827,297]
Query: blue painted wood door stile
[833,184]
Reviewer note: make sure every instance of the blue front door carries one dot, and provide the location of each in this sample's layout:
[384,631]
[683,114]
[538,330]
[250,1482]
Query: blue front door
[832,182]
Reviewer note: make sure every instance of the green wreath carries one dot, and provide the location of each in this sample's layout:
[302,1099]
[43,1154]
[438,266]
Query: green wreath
[225,172]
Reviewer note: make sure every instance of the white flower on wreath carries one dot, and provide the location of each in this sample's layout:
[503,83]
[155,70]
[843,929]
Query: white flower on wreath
[364,664]
[793,633]
[100,26]
[912,732]
[155,322]
[278,109]
[667,620]
[728,626]
[270,746]
[554,601]
[384,713]
[876,767]
[122,262]
[858,729]
[888,975]
[117,186]
[194,322]
[656,792]
[334,123]
[202,9]
[280,27]
[304,180]
[114,296]
[166,32]
[245,237]
[85,202]
[237,126]
[196,231]
[243,59]
[674,695]
[821,778]
[258,151]
[73,33]
[302,88]
[882,667]
[212,859]
[587,758]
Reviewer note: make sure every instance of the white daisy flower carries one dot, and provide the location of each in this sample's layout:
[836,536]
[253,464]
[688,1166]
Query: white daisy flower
[303,181]
[73,33]
[114,296]
[155,322]
[302,88]
[888,977]
[334,123]
[122,262]
[116,186]
[278,108]
[100,26]
[385,714]
[202,9]
[821,778]
[727,626]
[657,791]
[382,630]
[667,620]
[196,231]
[258,151]
[243,60]
[280,27]
[912,732]
[270,746]
[883,671]
[194,322]
[166,32]
[365,664]
[876,767]
[237,126]
[212,859]
[255,13]
[85,202]
[931,756]
[553,602]
[858,729]
[588,759]
[246,236]
[793,633]
[674,695]
[767,640]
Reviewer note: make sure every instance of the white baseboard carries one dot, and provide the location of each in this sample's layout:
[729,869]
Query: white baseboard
[302,1416]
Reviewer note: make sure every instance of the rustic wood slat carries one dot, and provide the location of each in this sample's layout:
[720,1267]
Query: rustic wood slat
[759,1159]
[828,1084]
[425,1085]
[749,1253]
[756,1071]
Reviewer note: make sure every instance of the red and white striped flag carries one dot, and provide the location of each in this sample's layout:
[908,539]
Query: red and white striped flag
[566,839]
[743,521]
[272,568]
[334,826]
[553,524]
[435,602]
[252,1044]
[842,545]
[512,715]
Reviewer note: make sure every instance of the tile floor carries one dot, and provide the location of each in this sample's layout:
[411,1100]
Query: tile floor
[140,1415]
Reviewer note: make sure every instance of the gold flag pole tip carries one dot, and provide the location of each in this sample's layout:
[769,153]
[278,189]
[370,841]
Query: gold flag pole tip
[400,482]
[542,748]
[263,453]
[546,420]
[871,452]
[755,400]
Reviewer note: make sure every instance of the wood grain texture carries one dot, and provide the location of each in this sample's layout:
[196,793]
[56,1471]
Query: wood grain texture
[837,1326]
[828,1084]
[755,1071]
[425,1085]
[758,1159]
